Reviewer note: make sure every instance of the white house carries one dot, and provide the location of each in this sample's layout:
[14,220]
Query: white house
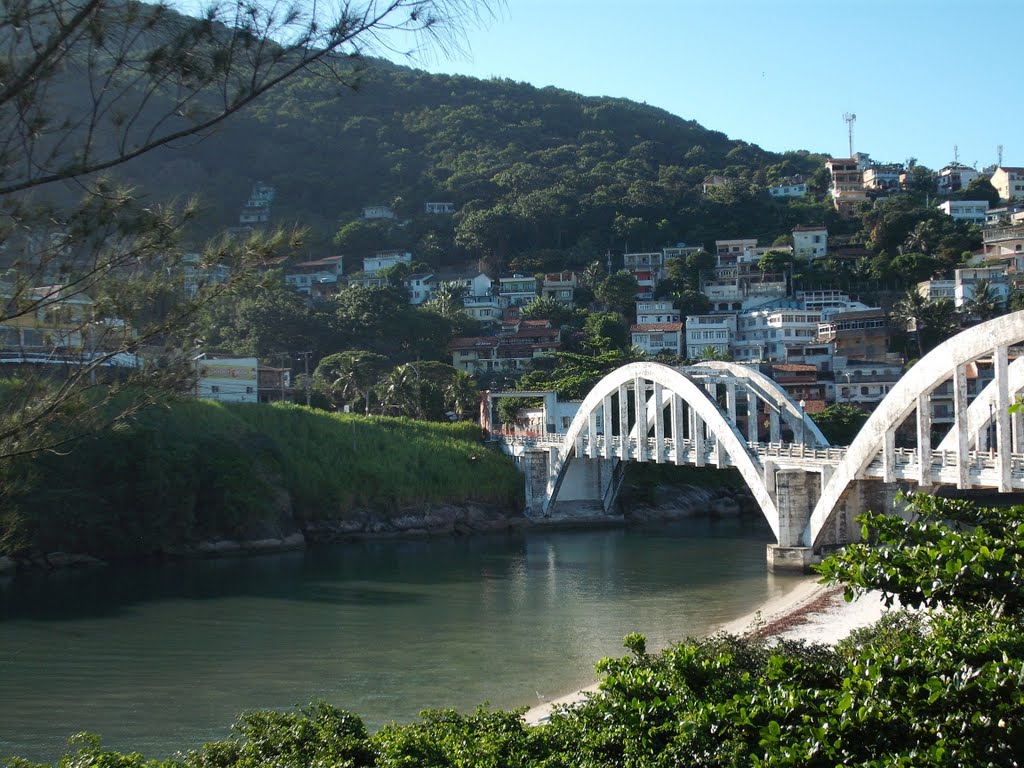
[315,277]
[439,209]
[954,177]
[973,211]
[1009,182]
[765,334]
[518,290]
[810,243]
[794,186]
[382,259]
[714,332]
[657,312]
[966,280]
[378,212]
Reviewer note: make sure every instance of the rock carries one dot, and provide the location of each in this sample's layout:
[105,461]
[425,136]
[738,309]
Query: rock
[70,560]
[219,547]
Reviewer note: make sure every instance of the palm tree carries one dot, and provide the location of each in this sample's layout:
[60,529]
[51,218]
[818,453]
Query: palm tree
[346,377]
[447,299]
[461,394]
[985,303]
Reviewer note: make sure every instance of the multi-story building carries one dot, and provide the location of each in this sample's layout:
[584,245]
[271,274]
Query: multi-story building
[318,277]
[1005,216]
[518,290]
[974,211]
[709,333]
[383,259]
[646,268]
[560,286]
[863,382]
[1006,245]
[378,212]
[506,353]
[810,243]
[793,186]
[860,334]
[658,328]
[882,178]
[1009,183]
[847,184]
[966,281]
[765,334]
[933,290]
[732,252]
[954,177]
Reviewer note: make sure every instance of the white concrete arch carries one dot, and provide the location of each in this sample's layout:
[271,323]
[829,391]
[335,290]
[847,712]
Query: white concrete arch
[676,384]
[791,413]
[980,412]
[930,371]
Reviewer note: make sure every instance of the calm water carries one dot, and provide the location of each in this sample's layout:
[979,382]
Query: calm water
[163,658]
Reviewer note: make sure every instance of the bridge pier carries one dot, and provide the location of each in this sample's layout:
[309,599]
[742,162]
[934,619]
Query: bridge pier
[796,493]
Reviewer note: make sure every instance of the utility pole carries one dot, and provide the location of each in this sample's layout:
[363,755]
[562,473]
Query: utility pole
[850,119]
[282,356]
[305,358]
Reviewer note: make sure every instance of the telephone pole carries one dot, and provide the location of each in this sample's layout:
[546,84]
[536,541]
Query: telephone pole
[306,382]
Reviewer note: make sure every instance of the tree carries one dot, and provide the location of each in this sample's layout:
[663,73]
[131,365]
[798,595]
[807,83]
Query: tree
[89,85]
[550,309]
[617,292]
[981,189]
[985,302]
[345,378]
[447,299]
[840,422]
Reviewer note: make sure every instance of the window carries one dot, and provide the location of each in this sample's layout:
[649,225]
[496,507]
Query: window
[214,389]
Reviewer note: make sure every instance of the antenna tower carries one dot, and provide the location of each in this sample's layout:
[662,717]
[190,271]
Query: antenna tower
[850,119]
[999,154]
[956,154]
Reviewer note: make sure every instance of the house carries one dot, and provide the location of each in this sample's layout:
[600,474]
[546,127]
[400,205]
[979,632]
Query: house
[793,186]
[227,379]
[800,380]
[518,290]
[966,280]
[847,184]
[954,177]
[195,274]
[656,338]
[933,290]
[706,333]
[646,268]
[860,333]
[1009,183]
[560,286]
[1005,244]
[439,209]
[378,212]
[882,178]
[318,277]
[256,211]
[51,321]
[864,382]
[656,312]
[714,181]
[1006,216]
[765,334]
[509,353]
[974,211]
[731,252]
[383,259]
[810,243]
[274,385]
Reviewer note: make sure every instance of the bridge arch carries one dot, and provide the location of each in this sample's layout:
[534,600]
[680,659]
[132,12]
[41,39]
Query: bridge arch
[680,389]
[910,393]
[771,392]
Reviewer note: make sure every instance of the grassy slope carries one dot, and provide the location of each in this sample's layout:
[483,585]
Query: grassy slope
[199,470]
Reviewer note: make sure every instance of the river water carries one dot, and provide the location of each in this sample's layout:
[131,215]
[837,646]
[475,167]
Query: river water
[161,658]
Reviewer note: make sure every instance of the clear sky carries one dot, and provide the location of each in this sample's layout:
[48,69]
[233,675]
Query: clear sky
[920,75]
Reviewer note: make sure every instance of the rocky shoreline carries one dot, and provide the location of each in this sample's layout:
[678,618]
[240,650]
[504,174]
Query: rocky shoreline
[664,504]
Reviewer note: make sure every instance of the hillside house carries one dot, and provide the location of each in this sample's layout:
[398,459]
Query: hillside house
[518,290]
[793,186]
[439,209]
[646,268]
[1009,183]
[560,286]
[378,212]
[847,184]
[954,177]
[860,334]
[227,378]
[383,259]
[714,333]
[974,211]
[319,277]
[810,243]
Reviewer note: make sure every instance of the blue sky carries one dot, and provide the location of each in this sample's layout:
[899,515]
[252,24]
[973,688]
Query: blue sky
[920,75]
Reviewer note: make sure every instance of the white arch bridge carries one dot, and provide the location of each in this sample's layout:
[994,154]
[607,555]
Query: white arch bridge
[717,414]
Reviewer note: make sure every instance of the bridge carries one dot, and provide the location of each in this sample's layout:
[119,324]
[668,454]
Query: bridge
[716,414]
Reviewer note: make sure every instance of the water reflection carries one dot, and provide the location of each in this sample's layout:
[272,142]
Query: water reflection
[163,658]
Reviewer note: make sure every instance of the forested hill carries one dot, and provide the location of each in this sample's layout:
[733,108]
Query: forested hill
[527,168]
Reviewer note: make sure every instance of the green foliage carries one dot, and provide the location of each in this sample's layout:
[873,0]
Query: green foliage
[840,422]
[165,481]
[953,554]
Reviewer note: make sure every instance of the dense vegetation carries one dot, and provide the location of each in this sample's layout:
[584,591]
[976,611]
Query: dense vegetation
[198,470]
[940,687]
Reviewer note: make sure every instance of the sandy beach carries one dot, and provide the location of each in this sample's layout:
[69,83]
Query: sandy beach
[811,612]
